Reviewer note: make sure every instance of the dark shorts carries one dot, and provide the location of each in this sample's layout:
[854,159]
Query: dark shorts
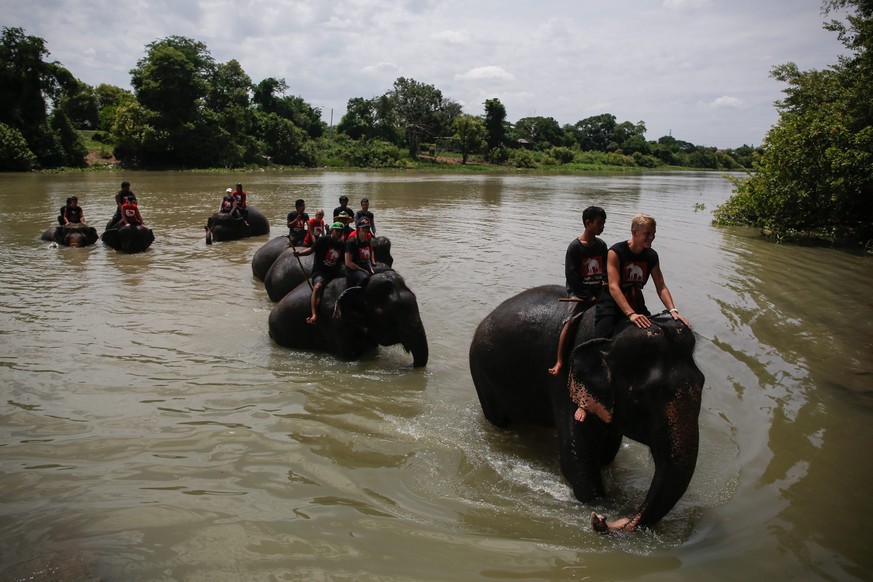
[323,278]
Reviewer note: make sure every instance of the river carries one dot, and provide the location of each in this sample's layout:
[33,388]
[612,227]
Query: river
[152,431]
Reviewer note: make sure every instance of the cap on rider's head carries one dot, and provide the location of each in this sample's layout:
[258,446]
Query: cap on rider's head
[364,223]
[338,226]
[229,191]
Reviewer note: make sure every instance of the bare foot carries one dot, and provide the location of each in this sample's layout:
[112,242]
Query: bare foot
[311,319]
[580,414]
[556,369]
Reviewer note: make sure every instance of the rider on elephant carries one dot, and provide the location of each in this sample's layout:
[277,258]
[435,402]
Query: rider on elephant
[297,220]
[226,202]
[63,211]
[327,265]
[120,199]
[73,213]
[629,264]
[359,254]
[130,215]
[585,271]
[239,209]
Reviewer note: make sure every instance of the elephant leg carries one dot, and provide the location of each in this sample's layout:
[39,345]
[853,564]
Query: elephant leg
[578,450]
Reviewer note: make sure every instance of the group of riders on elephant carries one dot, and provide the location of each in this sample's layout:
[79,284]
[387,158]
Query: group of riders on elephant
[340,295]
[627,373]
[124,232]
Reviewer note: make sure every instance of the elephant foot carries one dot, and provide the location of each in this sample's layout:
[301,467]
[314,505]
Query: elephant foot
[600,525]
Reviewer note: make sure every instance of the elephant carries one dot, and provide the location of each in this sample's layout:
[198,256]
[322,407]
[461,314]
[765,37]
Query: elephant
[128,239]
[221,226]
[645,378]
[353,320]
[287,271]
[71,235]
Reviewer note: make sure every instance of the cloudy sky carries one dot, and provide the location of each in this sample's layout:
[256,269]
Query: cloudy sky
[694,69]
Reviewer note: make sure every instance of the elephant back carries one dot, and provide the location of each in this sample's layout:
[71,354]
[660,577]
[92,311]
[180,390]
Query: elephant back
[225,227]
[266,255]
[129,239]
[287,273]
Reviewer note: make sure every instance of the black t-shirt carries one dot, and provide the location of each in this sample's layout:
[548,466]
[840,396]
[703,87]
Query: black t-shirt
[360,251]
[74,214]
[328,254]
[297,225]
[634,271]
[585,268]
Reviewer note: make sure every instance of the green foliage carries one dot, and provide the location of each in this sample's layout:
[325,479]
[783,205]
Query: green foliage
[469,134]
[71,146]
[815,174]
[495,124]
[543,132]
[521,158]
[498,155]
[418,107]
[14,154]
[81,106]
[562,155]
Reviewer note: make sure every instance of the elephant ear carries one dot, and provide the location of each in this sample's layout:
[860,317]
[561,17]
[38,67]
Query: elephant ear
[589,377]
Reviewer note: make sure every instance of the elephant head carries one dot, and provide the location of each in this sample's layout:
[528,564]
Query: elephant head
[129,239]
[392,317]
[71,235]
[647,382]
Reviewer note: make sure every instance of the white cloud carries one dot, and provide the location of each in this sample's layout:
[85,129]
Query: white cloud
[483,73]
[636,59]
[726,101]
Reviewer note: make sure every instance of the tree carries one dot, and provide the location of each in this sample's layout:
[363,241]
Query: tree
[469,133]
[417,106]
[15,155]
[815,174]
[595,133]
[81,106]
[543,132]
[359,120]
[27,82]
[173,79]
[495,123]
[269,96]
[109,99]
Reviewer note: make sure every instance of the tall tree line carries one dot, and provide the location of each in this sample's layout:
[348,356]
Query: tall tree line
[188,111]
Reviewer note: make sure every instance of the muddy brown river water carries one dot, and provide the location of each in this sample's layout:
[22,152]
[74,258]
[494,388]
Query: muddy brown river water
[150,429]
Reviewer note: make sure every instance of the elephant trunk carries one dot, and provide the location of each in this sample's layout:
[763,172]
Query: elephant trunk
[416,342]
[675,455]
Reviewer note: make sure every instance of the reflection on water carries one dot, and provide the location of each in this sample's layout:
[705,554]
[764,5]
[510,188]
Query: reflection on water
[151,429]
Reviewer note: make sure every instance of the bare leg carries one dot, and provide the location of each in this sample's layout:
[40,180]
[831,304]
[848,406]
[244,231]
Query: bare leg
[556,369]
[313,303]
